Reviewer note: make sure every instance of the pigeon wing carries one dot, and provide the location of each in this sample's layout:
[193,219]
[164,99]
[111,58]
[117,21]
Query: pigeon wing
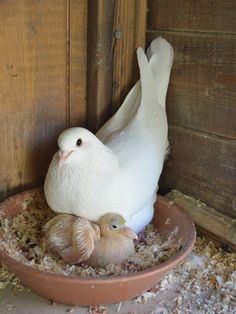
[58,233]
[83,241]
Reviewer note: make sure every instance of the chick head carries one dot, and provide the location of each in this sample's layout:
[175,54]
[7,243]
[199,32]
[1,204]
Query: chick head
[113,225]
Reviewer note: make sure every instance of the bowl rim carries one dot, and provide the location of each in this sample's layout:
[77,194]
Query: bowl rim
[162,267]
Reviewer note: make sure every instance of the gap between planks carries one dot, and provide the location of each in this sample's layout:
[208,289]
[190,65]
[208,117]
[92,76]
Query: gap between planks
[195,33]
[204,133]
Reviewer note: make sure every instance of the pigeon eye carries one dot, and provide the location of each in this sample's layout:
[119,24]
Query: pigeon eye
[114,226]
[79,142]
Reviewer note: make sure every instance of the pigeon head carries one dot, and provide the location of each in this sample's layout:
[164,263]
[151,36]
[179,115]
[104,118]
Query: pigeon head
[76,144]
[113,225]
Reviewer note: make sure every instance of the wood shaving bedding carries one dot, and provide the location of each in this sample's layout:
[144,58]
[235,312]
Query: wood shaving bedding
[21,239]
[8,279]
[205,282]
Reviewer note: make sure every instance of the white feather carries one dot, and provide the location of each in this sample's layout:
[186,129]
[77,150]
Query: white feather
[118,169]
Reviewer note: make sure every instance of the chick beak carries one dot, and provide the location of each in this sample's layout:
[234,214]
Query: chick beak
[63,154]
[130,233]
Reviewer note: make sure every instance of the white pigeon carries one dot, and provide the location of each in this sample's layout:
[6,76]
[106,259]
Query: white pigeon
[118,169]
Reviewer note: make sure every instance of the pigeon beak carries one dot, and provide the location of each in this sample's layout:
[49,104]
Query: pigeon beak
[63,154]
[130,233]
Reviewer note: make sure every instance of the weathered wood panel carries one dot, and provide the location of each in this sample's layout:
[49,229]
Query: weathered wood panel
[115,30]
[207,219]
[189,15]
[202,91]
[201,98]
[202,166]
[130,30]
[42,84]
[100,61]
[77,62]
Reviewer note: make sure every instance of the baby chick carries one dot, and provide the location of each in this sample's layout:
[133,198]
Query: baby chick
[76,239]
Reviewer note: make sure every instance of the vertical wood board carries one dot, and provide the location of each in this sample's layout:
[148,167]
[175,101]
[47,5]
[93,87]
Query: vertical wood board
[100,61]
[42,84]
[77,62]
[130,31]
[115,30]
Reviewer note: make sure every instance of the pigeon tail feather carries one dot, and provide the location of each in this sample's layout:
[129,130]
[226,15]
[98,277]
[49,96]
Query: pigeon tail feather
[154,70]
[160,55]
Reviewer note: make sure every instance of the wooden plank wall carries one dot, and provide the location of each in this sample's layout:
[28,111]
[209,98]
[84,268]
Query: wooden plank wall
[62,63]
[42,84]
[115,30]
[201,98]
[130,33]
[44,87]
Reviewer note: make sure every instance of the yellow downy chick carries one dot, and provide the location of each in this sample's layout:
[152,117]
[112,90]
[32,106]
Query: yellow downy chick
[76,239]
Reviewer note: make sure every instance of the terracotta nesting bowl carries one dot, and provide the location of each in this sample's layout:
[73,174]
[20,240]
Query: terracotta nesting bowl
[82,291]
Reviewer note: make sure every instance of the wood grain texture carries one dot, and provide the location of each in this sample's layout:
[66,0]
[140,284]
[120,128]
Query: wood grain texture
[201,98]
[115,30]
[207,218]
[77,62]
[100,61]
[202,91]
[188,15]
[202,166]
[32,89]
[130,30]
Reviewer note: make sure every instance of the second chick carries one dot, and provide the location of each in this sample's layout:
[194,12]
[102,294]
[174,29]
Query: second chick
[77,240]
